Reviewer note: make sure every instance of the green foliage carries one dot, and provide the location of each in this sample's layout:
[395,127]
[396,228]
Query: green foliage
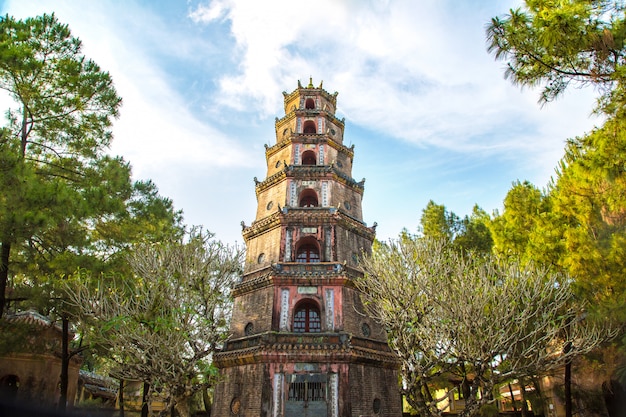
[55,174]
[437,222]
[475,235]
[470,234]
[578,225]
[67,204]
[590,195]
[515,231]
[556,43]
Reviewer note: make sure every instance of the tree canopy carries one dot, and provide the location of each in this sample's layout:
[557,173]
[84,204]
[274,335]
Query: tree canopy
[55,173]
[470,233]
[555,44]
[163,325]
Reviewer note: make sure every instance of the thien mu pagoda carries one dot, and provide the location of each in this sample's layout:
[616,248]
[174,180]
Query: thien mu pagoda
[301,343]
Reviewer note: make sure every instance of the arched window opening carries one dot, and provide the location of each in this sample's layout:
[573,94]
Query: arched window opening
[308,198]
[309,127]
[308,158]
[310,103]
[9,385]
[306,318]
[308,251]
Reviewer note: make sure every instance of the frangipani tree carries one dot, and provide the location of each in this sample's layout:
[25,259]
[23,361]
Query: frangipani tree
[162,325]
[482,319]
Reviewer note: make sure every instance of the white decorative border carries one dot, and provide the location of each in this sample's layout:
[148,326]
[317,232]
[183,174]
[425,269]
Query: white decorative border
[330,309]
[334,395]
[292,194]
[278,389]
[284,309]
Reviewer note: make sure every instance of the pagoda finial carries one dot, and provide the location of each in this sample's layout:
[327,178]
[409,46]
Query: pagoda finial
[299,85]
[310,83]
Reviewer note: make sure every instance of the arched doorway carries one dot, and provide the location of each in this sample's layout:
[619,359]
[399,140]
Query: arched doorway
[308,198]
[9,385]
[308,158]
[309,127]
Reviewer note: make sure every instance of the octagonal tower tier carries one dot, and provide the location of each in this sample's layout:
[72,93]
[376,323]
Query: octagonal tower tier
[302,344]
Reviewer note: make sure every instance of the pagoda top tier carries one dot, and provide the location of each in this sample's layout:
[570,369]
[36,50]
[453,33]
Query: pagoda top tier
[310,97]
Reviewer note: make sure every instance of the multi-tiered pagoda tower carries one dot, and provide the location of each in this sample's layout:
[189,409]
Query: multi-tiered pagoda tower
[301,344]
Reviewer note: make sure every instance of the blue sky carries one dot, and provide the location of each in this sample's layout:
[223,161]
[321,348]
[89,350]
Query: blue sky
[427,108]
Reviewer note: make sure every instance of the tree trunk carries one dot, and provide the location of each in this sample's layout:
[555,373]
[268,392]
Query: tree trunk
[567,378]
[5,251]
[512,398]
[539,396]
[145,399]
[567,381]
[207,401]
[120,397]
[181,406]
[65,362]
[524,406]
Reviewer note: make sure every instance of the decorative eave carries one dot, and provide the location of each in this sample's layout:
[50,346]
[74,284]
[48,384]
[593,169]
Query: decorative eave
[261,226]
[272,347]
[308,138]
[327,215]
[281,120]
[294,216]
[310,89]
[310,113]
[281,274]
[309,172]
[260,186]
[246,286]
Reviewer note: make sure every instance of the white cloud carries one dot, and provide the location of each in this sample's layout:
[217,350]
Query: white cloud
[412,75]
[414,70]
[156,127]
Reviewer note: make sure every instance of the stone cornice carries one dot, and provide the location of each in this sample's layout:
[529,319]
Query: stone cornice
[309,113]
[270,181]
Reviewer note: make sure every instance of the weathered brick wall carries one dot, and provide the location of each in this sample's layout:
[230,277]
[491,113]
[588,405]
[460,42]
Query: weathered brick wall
[350,246]
[277,160]
[254,307]
[341,160]
[277,195]
[365,388]
[243,383]
[267,244]
[354,317]
[340,194]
